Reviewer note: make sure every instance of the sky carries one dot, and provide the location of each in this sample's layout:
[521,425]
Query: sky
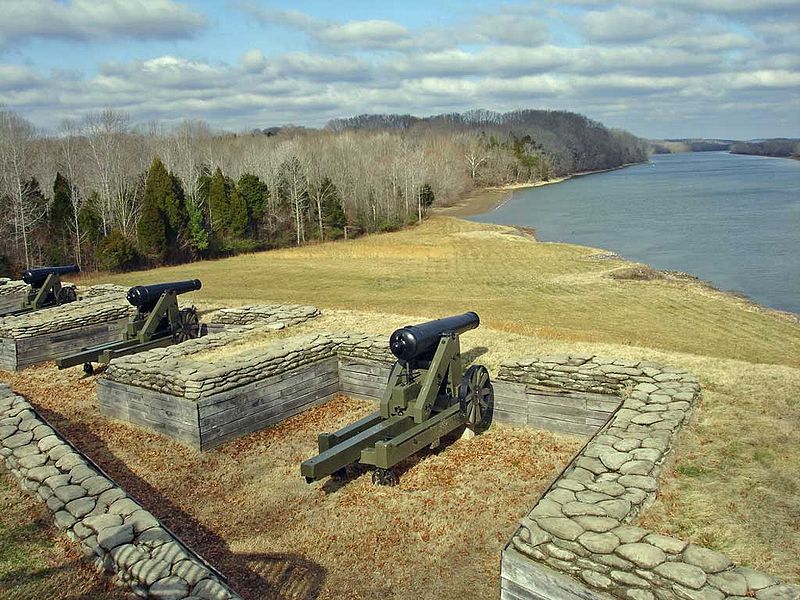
[658,68]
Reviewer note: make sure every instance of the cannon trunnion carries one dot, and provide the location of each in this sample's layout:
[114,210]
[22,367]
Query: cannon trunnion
[45,289]
[158,322]
[428,396]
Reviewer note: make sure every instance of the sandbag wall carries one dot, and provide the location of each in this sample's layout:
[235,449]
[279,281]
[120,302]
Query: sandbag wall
[51,333]
[112,528]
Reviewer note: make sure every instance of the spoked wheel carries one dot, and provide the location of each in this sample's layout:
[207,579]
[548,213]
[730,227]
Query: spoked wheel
[476,398]
[188,325]
[66,295]
[384,477]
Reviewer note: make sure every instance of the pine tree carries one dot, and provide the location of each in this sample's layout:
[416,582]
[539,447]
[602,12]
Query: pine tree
[255,194]
[152,228]
[218,202]
[237,214]
[334,219]
[58,222]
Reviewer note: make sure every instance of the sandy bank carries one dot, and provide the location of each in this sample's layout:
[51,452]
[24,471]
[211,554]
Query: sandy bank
[488,199]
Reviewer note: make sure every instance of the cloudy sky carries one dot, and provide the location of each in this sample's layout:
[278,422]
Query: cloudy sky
[659,68]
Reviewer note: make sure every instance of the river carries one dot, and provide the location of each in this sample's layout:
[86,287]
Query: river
[729,219]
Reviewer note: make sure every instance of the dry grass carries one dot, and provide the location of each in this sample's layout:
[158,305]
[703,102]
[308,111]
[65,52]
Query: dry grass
[246,508]
[551,291]
[732,484]
[36,561]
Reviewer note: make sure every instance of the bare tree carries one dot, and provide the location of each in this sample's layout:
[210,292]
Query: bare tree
[105,131]
[16,138]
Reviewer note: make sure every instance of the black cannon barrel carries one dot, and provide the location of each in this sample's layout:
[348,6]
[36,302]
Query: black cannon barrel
[413,341]
[142,295]
[37,276]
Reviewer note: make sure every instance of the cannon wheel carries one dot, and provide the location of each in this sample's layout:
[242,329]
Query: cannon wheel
[476,397]
[384,477]
[188,325]
[66,295]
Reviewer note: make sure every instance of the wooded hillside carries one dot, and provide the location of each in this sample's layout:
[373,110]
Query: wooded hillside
[108,195]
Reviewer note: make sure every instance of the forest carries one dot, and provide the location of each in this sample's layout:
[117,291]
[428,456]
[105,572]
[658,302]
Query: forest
[109,195]
[778,147]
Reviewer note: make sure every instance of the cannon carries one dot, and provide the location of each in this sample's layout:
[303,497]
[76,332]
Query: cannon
[428,396]
[45,289]
[158,322]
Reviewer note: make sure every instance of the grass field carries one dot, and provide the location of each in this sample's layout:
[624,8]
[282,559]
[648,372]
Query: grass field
[36,560]
[731,484]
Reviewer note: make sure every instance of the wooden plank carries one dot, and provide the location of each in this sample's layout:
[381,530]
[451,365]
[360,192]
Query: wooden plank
[268,399]
[558,426]
[213,443]
[326,365]
[566,413]
[116,401]
[509,418]
[542,582]
[367,367]
[212,436]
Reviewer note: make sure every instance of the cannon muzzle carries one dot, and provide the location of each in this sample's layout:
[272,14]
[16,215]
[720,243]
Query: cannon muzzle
[36,277]
[143,295]
[413,341]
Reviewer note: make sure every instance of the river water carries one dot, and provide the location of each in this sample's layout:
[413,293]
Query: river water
[729,219]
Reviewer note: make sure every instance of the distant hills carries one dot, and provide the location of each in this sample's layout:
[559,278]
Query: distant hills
[778,147]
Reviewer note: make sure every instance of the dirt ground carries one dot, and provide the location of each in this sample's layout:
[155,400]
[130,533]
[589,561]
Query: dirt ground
[247,510]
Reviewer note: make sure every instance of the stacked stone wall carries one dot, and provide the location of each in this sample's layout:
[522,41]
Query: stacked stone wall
[580,540]
[285,315]
[123,538]
[89,311]
[174,370]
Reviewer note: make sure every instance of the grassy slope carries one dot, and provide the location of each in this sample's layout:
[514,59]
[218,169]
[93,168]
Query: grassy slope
[733,480]
[36,561]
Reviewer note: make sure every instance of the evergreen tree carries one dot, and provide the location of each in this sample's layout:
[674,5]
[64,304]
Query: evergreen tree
[152,228]
[58,222]
[255,194]
[237,214]
[333,216]
[218,202]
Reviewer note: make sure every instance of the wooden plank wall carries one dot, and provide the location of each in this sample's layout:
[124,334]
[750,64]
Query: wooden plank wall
[155,411]
[362,378]
[580,413]
[253,407]
[41,348]
[10,302]
[523,579]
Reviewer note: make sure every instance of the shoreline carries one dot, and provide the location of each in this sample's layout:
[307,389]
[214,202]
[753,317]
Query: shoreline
[489,199]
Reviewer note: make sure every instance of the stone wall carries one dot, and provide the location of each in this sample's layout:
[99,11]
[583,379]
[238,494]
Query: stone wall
[580,540]
[112,528]
[176,371]
[101,289]
[52,333]
[89,311]
[284,315]
[12,293]
[205,398]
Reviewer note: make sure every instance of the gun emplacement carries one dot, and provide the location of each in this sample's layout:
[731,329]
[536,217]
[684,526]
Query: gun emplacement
[45,289]
[428,396]
[158,322]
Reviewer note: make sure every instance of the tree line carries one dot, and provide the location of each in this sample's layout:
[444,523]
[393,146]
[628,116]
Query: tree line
[109,195]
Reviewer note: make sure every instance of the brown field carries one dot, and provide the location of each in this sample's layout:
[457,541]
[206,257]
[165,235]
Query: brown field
[731,484]
[247,510]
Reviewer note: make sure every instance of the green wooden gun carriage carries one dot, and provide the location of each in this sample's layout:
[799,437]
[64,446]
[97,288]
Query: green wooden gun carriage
[45,289]
[158,322]
[428,396]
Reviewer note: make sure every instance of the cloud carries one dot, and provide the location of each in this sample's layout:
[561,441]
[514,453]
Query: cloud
[624,24]
[90,20]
